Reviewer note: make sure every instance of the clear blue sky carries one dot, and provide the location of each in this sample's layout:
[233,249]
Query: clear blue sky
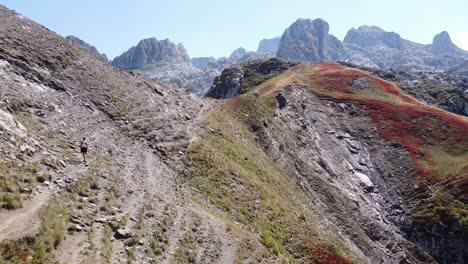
[216,28]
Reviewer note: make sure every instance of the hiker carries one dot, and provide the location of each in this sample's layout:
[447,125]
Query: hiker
[84,149]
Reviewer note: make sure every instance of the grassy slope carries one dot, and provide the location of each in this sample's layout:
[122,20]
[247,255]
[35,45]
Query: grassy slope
[436,140]
[238,177]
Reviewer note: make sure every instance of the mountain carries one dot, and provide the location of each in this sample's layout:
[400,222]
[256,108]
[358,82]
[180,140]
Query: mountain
[368,46]
[374,47]
[308,40]
[307,163]
[87,47]
[198,75]
[442,44]
[149,51]
[269,45]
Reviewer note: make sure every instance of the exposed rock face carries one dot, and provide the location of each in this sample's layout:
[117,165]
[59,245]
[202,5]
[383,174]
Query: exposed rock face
[240,78]
[269,45]
[87,47]
[366,36]
[443,44]
[308,40]
[202,62]
[149,51]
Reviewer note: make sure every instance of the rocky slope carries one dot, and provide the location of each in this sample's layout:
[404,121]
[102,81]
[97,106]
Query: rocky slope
[461,69]
[314,163]
[149,51]
[392,161]
[88,48]
[308,40]
[130,204]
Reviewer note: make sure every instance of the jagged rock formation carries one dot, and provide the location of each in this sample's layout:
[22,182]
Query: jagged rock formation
[269,45]
[374,47]
[308,40]
[368,46]
[442,44]
[149,51]
[87,47]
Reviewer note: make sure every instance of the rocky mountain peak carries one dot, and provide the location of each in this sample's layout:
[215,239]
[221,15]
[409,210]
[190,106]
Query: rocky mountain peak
[238,53]
[149,51]
[365,28]
[87,47]
[309,40]
[366,36]
[442,43]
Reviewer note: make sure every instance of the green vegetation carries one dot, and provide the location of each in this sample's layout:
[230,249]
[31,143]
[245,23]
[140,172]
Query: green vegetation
[12,201]
[89,252]
[39,249]
[15,177]
[447,209]
[107,244]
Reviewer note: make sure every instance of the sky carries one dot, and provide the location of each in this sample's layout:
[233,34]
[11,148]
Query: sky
[216,28]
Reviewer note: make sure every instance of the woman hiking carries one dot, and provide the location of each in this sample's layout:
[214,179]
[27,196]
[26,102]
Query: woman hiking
[84,149]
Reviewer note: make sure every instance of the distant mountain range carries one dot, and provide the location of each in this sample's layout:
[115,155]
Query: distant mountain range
[305,40]
[370,46]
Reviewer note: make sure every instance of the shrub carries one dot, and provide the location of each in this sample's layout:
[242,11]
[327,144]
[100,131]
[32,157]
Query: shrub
[12,201]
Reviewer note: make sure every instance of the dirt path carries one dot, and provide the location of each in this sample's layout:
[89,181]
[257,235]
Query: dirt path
[25,221]
[228,247]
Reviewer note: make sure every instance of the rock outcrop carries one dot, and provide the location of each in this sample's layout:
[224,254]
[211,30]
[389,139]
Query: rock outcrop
[308,40]
[366,36]
[88,48]
[240,78]
[150,51]
[442,44]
